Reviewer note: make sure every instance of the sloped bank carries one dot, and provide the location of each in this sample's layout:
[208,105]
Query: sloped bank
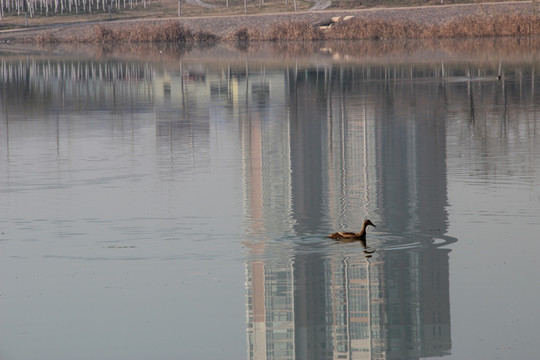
[451,21]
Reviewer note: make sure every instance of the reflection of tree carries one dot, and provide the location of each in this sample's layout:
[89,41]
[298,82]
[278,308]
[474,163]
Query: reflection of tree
[45,86]
[504,112]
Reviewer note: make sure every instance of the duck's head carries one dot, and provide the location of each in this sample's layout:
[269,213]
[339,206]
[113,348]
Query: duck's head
[368,222]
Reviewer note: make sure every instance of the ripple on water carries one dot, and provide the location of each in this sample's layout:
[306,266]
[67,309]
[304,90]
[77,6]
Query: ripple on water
[292,246]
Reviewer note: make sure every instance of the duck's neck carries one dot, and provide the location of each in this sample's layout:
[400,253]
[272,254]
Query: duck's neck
[362,232]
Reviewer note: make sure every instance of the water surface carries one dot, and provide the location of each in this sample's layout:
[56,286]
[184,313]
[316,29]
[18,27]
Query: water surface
[177,207]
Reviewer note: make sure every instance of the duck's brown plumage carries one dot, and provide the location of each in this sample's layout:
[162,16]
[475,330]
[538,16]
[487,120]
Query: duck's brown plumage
[351,235]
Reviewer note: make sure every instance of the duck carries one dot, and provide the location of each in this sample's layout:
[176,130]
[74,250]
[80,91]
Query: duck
[351,235]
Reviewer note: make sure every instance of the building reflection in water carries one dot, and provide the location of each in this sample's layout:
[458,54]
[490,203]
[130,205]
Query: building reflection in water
[322,149]
[352,148]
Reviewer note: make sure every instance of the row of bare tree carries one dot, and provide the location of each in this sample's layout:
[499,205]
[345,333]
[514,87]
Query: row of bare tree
[49,7]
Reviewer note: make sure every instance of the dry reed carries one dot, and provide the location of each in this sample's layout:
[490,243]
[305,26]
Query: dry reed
[103,34]
[497,25]
[45,38]
[242,35]
[295,31]
[170,31]
[465,27]
[484,25]
[374,29]
[511,24]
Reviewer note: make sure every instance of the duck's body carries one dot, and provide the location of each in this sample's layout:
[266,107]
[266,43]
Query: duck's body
[351,235]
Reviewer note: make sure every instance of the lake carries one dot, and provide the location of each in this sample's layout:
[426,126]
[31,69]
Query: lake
[160,202]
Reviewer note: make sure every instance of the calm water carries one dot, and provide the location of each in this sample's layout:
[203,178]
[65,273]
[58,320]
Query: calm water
[174,204]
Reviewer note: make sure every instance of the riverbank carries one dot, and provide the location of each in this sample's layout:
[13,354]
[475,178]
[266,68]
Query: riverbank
[442,21]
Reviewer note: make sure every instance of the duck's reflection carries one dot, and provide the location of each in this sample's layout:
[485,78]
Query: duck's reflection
[368,251]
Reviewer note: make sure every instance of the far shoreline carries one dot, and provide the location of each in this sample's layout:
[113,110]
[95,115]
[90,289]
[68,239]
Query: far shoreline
[433,21]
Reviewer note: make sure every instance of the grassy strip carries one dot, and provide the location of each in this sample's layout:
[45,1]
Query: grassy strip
[355,29]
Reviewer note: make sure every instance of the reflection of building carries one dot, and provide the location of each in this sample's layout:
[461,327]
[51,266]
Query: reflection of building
[355,298]
[270,310]
[370,309]
[390,312]
[348,159]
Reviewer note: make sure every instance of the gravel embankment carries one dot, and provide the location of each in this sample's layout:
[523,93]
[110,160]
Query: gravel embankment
[223,25]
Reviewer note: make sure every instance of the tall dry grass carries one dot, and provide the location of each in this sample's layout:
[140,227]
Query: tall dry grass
[374,29]
[295,31]
[170,31]
[45,38]
[465,27]
[244,35]
[496,25]
[103,34]
[485,25]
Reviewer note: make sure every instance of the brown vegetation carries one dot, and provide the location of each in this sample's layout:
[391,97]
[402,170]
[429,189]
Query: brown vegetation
[243,35]
[374,29]
[377,28]
[447,23]
[169,31]
[467,26]
[45,38]
[294,31]
[499,25]
[471,26]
